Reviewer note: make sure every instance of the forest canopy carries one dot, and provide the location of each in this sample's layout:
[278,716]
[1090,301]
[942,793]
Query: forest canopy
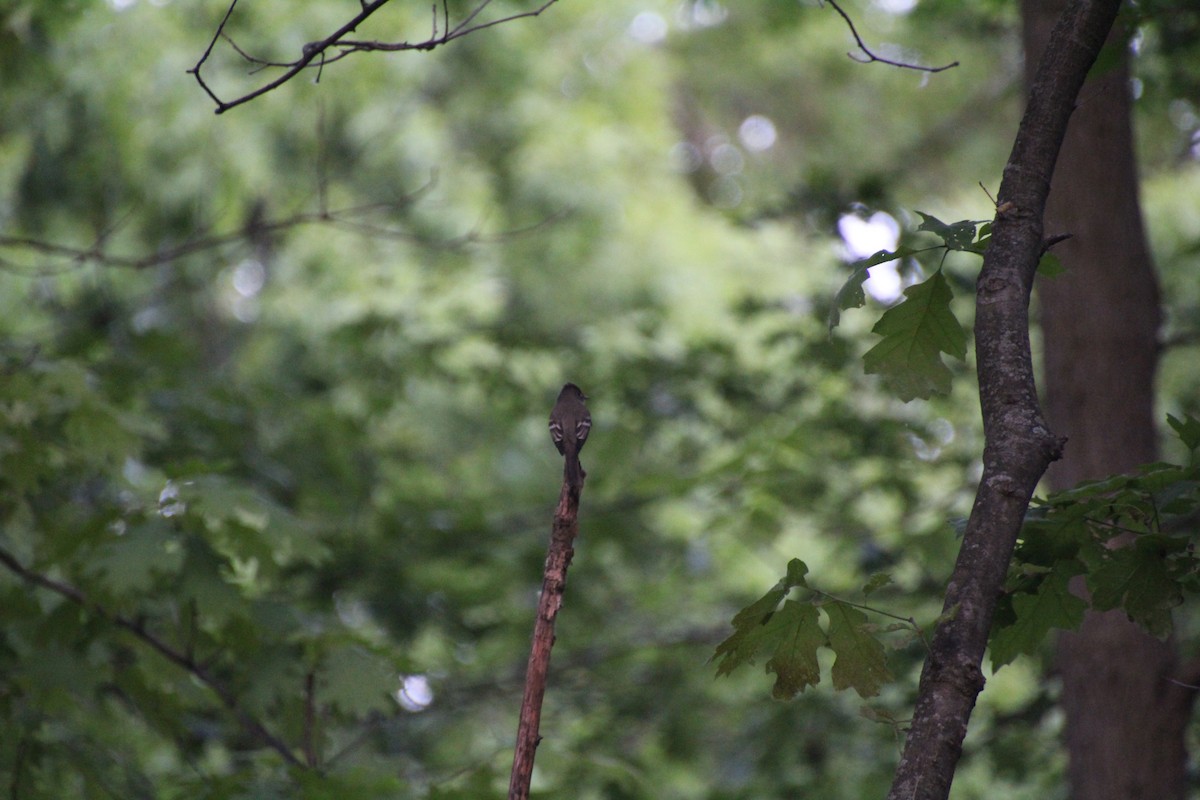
[275,480]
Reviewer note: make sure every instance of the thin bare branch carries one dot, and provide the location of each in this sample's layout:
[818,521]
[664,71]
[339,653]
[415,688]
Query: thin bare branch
[470,17]
[336,46]
[208,52]
[868,56]
[65,258]
[97,253]
[310,719]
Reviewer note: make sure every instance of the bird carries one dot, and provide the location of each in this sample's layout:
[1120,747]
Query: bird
[570,422]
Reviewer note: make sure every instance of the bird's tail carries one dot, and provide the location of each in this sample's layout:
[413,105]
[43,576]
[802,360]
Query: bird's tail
[572,470]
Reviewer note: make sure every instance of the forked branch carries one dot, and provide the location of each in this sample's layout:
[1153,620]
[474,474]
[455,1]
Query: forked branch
[337,45]
[868,55]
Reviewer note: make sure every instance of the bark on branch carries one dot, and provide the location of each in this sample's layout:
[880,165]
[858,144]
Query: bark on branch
[1019,446]
[868,56]
[338,45]
[554,584]
[43,257]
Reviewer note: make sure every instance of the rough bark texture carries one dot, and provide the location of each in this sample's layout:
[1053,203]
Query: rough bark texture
[554,585]
[1125,721]
[1019,445]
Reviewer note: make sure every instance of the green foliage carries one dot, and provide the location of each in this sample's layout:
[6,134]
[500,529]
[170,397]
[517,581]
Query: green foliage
[290,473]
[919,330]
[1129,535]
[1049,266]
[851,294]
[915,334]
[956,235]
[860,663]
[265,483]
[1188,431]
[1048,604]
[791,635]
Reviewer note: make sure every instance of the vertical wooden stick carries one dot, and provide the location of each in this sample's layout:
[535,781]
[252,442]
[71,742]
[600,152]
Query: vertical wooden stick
[554,583]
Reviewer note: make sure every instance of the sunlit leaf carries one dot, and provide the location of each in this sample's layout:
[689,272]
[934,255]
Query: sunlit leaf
[851,295]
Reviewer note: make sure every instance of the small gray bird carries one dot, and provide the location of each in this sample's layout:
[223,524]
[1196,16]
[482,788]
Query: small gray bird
[570,422]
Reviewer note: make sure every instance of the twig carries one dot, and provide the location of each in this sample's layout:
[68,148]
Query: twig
[910,621]
[554,584]
[362,737]
[348,219]
[208,52]
[310,718]
[869,56]
[1057,238]
[78,256]
[182,660]
[318,51]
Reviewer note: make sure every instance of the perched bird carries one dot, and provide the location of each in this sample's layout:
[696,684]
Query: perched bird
[570,422]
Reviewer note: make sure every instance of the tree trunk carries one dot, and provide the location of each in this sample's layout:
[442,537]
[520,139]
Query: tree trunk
[1125,719]
[1018,446]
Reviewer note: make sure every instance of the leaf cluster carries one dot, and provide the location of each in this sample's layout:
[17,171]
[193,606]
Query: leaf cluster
[917,331]
[167,604]
[789,636]
[1129,537]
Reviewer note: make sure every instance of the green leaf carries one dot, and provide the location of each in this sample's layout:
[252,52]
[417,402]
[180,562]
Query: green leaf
[1051,606]
[883,256]
[1056,538]
[860,663]
[1187,429]
[357,681]
[851,294]
[876,582]
[956,235]
[756,628]
[201,583]
[1136,579]
[915,333]
[980,245]
[796,570]
[750,634]
[130,562]
[272,674]
[982,240]
[797,636]
[1049,266]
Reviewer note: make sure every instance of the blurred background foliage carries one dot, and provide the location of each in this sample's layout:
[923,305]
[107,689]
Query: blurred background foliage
[312,457]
